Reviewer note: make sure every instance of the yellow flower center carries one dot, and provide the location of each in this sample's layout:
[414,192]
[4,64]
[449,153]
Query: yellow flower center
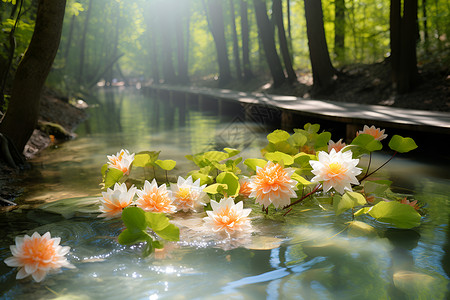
[183,193]
[335,168]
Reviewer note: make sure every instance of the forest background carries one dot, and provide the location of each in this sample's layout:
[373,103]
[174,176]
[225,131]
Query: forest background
[389,52]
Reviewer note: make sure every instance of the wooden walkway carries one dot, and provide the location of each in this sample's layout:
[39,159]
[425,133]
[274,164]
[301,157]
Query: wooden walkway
[352,114]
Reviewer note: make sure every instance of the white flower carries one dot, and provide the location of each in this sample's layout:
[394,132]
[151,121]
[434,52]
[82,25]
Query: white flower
[188,195]
[37,255]
[155,199]
[228,217]
[114,201]
[273,184]
[336,170]
[122,161]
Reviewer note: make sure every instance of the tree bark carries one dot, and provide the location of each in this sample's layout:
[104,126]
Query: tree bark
[237,60]
[339,30]
[216,23]
[245,40]
[22,114]
[408,74]
[265,30]
[321,66]
[83,43]
[277,15]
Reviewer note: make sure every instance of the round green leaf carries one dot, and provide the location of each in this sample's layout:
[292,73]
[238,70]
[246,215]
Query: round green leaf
[134,218]
[280,156]
[401,144]
[252,163]
[167,164]
[278,136]
[232,182]
[396,213]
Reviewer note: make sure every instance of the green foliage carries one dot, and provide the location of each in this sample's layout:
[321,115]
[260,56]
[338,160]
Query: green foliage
[393,212]
[401,144]
[232,182]
[111,176]
[146,158]
[252,163]
[167,164]
[138,222]
[364,144]
[347,201]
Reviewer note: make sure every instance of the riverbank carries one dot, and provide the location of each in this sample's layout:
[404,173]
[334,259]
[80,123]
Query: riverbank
[57,121]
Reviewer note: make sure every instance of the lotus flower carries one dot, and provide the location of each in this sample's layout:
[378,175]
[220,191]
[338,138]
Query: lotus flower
[244,189]
[377,133]
[336,146]
[273,184]
[188,195]
[336,170]
[410,203]
[228,217]
[37,255]
[155,199]
[122,161]
[114,201]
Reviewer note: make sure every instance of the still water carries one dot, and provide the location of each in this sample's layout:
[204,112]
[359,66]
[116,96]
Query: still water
[305,255]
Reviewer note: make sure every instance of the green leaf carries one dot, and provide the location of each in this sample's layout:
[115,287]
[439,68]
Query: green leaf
[129,237]
[372,187]
[303,159]
[300,179]
[134,218]
[215,155]
[252,163]
[278,136]
[156,221]
[280,156]
[169,233]
[231,151]
[167,164]
[103,170]
[362,211]
[145,158]
[347,201]
[232,182]
[367,142]
[215,188]
[401,144]
[112,176]
[204,178]
[396,213]
[322,140]
[298,139]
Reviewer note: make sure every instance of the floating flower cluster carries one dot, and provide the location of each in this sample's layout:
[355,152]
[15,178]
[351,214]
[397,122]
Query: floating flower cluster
[295,168]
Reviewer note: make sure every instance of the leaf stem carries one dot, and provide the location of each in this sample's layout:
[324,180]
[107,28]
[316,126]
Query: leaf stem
[303,197]
[385,163]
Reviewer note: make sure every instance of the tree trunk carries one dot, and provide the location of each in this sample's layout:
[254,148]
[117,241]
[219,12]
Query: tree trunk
[182,12]
[22,114]
[288,13]
[245,40]
[265,30]
[277,15]
[166,39]
[321,66]
[403,31]
[237,61]
[339,30]
[216,23]
[408,75]
[426,39]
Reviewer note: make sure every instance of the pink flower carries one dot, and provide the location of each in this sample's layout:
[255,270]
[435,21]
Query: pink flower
[155,199]
[121,161]
[410,203]
[377,133]
[336,146]
[114,201]
[37,255]
[228,217]
[273,184]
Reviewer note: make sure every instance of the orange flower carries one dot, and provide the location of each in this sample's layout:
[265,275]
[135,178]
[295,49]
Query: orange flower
[410,203]
[37,255]
[245,189]
[121,161]
[377,133]
[155,199]
[273,184]
[114,201]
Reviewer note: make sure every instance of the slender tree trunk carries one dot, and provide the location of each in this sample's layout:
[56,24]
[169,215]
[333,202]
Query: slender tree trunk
[245,40]
[395,23]
[321,66]
[218,32]
[83,43]
[265,30]
[277,14]
[288,12]
[339,30]
[22,114]
[426,39]
[166,39]
[408,75]
[237,61]
[69,40]
[182,13]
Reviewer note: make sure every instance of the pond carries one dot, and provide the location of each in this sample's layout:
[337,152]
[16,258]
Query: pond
[308,254]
